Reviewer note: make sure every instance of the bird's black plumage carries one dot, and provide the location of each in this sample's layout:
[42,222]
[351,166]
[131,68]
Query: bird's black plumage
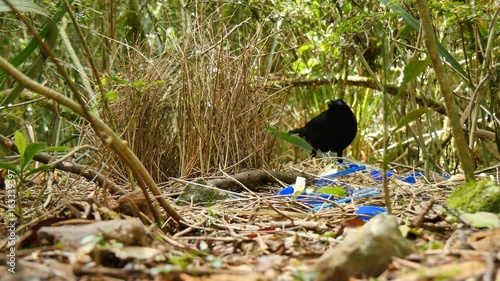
[333,130]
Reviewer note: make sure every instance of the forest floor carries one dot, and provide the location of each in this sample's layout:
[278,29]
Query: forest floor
[261,232]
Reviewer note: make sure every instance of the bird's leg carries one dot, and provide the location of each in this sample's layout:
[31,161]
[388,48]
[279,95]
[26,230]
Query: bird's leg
[339,156]
[313,153]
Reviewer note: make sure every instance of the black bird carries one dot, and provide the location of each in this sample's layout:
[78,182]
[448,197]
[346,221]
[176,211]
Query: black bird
[333,130]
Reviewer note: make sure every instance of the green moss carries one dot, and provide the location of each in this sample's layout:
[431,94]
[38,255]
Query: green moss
[200,192]
[476,196]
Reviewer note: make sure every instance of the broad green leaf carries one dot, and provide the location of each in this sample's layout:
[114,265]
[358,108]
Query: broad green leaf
[332,190]
[24,6]
[20,142]
[413,70]
[295,140]
[300,142]
[481,219]
[33,149]
[10,167]
[412,116]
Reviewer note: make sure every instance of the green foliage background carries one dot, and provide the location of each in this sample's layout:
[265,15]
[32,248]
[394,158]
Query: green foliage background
[304,52]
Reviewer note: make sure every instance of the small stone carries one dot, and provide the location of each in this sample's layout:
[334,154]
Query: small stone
[366,253]
[200,191]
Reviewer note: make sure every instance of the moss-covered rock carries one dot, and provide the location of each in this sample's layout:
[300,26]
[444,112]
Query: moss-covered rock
[476,196]
[200,192]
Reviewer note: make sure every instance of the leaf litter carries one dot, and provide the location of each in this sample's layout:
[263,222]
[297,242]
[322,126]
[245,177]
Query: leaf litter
[258,234]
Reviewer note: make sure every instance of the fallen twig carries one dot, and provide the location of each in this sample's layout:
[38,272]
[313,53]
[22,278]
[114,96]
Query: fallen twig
[82,170]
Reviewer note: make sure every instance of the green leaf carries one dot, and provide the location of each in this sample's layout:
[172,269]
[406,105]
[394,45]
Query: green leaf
[111,95]
[413,70]
[481,219]
[406,31]
[32,149]
[295,140]
[20,142]
[50,33]
[332,190]
[37,66]
[303,48]
[312,62]
[412,116]
[9,167]
[299,66]
[449,58]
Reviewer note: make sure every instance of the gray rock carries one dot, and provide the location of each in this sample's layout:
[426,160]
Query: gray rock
[366,253]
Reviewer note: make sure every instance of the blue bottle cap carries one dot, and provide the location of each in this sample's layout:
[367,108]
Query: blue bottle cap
[369,211]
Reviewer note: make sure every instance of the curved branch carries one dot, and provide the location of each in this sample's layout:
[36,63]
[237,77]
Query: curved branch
[74,168]
[109,137]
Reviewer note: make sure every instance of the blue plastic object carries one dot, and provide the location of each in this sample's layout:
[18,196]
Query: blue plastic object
[289,191]
[368,212]
[359,194]
[326,180]
[377,174]
[411,178]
